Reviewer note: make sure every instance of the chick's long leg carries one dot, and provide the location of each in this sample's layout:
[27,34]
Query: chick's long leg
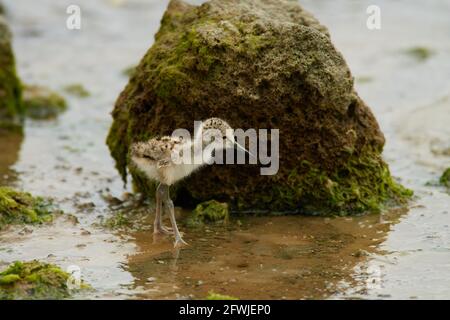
[168,204]
[158,228]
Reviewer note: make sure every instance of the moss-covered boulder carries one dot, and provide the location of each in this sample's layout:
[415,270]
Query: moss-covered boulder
[11,110]
[41,103]
[34,280]
[258,64]
[21,207]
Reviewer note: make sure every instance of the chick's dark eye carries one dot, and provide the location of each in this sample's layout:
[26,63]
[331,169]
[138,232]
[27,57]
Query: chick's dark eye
[148,157]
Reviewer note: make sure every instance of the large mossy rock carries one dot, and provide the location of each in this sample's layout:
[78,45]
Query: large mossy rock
[11,111]
[258,64]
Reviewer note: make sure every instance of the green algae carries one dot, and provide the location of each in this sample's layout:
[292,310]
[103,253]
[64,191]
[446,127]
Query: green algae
[11,108]
[35,280]
[118,145]
[364,79]
[9,278]
[77,90]
[42,103]
[117,221]
[217,296]
[363,184]
[445,178]
[209,212]
[420,53]
[22,208]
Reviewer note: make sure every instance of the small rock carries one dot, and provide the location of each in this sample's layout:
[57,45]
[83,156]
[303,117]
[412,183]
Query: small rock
[25,231]
[77,90]
[85,233]
[209,211]
[41,103]
[360,253]
[89,206]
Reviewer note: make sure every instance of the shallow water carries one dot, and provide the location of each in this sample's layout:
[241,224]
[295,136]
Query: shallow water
[400,254]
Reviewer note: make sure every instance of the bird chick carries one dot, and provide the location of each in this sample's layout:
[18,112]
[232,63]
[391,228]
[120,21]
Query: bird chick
[155,158]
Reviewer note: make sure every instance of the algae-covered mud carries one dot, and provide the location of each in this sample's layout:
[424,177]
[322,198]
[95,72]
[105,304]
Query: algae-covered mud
[35,280]
[42,103]
[19,207]
[105,230]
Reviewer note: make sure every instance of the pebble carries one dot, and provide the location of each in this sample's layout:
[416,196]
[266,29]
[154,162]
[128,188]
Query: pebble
[85,233]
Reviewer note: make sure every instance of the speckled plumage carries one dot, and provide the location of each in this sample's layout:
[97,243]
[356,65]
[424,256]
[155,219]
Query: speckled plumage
[154,158]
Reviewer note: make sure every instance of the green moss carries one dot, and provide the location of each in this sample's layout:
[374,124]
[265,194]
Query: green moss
[255,43]
[142,184]
[77,90]
[20,207]
[217,296]
[41,103]
[119,220]
[209,211]
[118,146]
[419,53]
[363,184]
[34,280]
[170,78]
[9,278]
[11,108]
[445,178]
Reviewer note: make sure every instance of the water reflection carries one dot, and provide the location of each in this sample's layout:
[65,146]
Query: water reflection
[261,257]
[10,144]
